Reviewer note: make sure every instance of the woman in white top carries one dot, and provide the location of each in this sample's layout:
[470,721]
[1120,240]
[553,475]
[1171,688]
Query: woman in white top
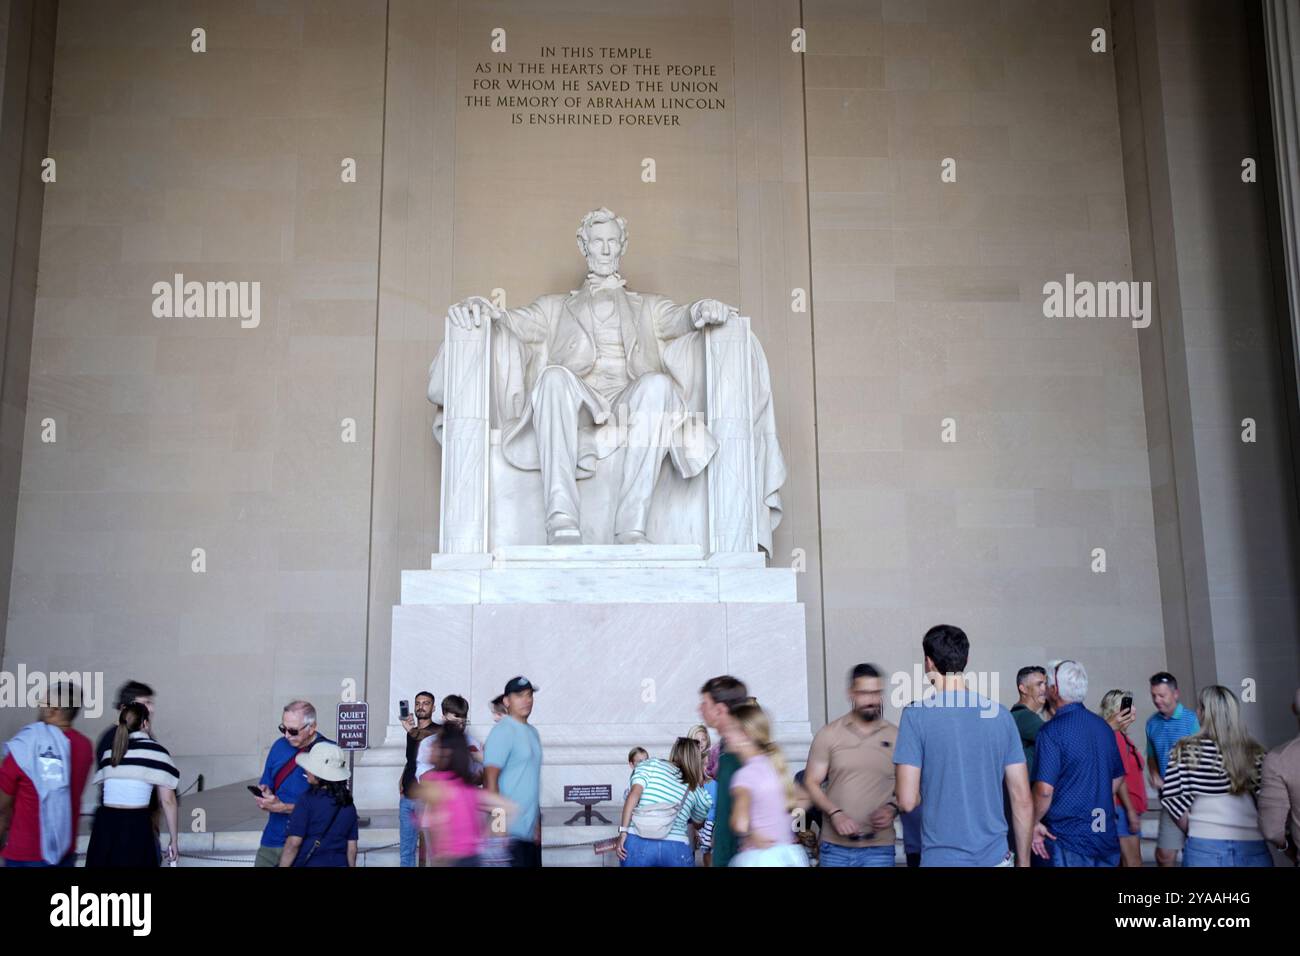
[131,771]
[1210,784]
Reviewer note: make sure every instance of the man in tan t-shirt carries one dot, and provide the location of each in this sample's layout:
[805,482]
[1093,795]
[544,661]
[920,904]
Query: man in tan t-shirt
[855,756]
[1279,794]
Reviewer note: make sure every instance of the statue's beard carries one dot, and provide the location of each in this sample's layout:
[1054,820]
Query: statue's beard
[605,269]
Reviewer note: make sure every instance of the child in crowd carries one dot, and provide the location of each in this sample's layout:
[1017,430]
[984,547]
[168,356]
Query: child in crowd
[634,757]
[700,734]
[454,821]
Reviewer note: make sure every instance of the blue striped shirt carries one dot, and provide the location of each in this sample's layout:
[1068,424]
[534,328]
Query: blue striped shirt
[1163,732]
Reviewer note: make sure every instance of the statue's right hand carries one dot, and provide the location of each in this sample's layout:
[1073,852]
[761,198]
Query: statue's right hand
[469,313]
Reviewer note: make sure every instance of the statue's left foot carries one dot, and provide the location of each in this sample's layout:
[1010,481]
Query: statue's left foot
[631,537]
[563,529]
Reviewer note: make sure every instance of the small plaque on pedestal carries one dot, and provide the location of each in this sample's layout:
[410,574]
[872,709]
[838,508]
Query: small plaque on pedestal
[588,795]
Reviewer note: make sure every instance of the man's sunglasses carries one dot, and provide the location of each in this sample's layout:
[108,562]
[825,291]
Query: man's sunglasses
[292,731]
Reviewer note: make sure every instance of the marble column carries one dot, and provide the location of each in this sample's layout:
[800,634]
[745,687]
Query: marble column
[1282,44]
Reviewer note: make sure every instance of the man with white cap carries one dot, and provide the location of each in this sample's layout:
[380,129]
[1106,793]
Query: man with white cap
[323,826]
[512,760]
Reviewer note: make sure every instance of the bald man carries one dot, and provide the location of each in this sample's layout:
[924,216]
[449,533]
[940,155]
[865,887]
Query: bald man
[1279,793]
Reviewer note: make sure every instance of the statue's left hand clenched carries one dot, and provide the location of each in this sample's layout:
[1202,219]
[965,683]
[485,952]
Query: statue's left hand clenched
[710,312]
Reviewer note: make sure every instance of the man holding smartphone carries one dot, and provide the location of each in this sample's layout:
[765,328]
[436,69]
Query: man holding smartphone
[283,779]
[418,726]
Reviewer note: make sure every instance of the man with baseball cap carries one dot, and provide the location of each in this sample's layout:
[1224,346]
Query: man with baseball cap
[512,762]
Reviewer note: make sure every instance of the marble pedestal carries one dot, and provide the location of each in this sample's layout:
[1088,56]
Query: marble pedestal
[618,639]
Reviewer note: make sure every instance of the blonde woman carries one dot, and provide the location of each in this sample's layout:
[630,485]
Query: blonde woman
[762,793]
[1131,799]
[1210,785]
[700,734]
[704,832]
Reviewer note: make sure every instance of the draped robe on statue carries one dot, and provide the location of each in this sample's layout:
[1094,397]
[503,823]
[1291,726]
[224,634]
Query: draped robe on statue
[568,337]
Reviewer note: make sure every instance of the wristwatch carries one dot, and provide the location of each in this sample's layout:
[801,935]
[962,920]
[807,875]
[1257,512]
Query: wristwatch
[624,829]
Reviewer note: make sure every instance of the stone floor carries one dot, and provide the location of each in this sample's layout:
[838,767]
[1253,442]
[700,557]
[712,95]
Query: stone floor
[228,832]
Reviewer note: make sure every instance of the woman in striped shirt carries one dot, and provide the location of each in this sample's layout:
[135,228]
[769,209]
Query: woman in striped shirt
[665,795]
[1210,784]
[131,771]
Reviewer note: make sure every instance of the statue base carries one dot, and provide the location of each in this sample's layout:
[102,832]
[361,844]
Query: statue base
[618,639]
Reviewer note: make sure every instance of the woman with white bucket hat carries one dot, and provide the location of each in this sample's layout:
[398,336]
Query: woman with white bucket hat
[323,826]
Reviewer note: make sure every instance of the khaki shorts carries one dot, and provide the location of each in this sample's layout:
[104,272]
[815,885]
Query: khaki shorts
[1169,837]
[268,856]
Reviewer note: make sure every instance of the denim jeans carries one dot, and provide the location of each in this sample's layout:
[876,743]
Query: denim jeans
[1063,857]
[69,860]
[525,854]
[1201,852]
[408,831]
[1121,826]
[642,852]
[834,855]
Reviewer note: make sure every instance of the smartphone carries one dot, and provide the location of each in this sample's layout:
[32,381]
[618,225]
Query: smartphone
[1126,704]
[404,708]
[255,791]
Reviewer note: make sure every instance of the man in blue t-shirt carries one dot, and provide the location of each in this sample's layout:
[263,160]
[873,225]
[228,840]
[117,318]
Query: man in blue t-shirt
[1169,724]
[1077,772]
[512,767]
[955,750]
[283,780]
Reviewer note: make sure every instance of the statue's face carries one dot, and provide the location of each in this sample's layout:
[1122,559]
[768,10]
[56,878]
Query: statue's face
[604,248]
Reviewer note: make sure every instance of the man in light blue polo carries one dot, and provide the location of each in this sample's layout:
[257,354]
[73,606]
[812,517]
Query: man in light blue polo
[512,767]
[1169,724]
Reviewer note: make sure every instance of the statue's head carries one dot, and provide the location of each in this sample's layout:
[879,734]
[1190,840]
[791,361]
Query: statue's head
[602,240]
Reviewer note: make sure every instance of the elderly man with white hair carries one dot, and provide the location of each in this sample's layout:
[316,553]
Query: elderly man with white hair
[283,779]
[1077,773]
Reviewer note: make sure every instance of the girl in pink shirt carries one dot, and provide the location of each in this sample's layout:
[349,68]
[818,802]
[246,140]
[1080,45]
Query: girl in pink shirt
[763,794]
[452,820]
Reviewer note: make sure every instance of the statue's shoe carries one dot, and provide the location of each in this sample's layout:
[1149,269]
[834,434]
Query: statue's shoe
[631,537]
[565,533]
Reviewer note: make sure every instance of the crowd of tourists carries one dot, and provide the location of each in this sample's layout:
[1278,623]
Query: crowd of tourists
[963,779]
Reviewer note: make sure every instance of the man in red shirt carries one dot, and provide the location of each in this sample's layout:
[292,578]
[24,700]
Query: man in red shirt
[20,805]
